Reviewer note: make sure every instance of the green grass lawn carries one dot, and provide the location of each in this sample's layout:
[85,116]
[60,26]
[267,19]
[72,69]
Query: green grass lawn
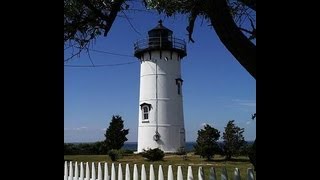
[195,161]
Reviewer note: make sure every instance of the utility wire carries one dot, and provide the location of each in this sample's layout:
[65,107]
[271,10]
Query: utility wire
[102,65]
[116,54]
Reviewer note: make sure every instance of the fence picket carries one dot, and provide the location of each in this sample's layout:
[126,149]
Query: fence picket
[76,173]
[81,171]
[127,177]
[143,173]
[151,173]
[135,172]
[93,172]
[250,174]
[99,171]
[179,174]
[65,170]
[71,172]
[106,172]
[87,171]
[224,174]
[212,175]
[190,175]
[160,173]
[170,172]
[120,176]
[236,175]
[113,172]
[200,173]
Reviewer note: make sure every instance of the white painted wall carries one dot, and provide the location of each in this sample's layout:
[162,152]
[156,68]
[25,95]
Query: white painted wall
[170,104]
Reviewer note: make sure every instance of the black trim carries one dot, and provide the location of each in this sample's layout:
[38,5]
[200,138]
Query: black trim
[179,80]
[145,104]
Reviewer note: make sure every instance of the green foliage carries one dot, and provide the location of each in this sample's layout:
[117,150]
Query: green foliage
[115,154]
[181,151]
[126,151]
[84,148]
[207,145]
[115,134]
[252,154]
[233,140]
[153,154]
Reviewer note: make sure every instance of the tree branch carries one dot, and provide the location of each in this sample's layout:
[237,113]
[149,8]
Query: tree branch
[115,8]
[250,3]
[231,36]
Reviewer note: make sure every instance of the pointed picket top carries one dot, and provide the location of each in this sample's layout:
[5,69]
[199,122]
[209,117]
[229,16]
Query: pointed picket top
[106,172]
[76,173]
[200,173]
[93,172]
[143,173]
[212,175]
[250,174]
[70,171]
[170,172]
[81,171]
[190,175]
[135,172]
[120,176]
[224,174]
[113,172]
[160,173]
[179,174]
[65,170]
[236,174]
[127,172]
[99,171]
[87,171]
[151,173]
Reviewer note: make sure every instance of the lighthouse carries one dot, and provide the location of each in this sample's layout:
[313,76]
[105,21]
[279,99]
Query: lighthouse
[161,121]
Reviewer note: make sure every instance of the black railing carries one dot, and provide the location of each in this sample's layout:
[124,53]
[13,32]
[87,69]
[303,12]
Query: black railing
[160,43]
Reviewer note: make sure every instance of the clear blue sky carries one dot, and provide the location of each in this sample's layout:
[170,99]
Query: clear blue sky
[216,87]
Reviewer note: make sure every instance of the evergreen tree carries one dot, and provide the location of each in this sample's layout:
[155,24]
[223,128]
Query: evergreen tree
[207,144]
[115,134]
[233,140]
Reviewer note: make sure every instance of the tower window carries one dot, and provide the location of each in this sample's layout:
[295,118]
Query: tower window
[145,108]
[145,113]
[179,84]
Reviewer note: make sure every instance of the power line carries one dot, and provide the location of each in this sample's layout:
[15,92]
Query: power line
[116,54]
[102,65]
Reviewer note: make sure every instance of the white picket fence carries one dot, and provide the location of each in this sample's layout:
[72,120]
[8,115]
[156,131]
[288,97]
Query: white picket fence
[71,172]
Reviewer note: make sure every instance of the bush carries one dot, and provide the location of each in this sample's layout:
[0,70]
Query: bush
[252,155]
[153,154]
[181,151]
[126,151]
[114,154]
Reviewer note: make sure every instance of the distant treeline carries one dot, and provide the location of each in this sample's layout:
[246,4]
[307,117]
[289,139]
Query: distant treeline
[83,148]
[96,148]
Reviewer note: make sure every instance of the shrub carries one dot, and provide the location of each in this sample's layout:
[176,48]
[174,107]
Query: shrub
[114,154]
[181,151]
[252,155]
[153,154]
[126,151]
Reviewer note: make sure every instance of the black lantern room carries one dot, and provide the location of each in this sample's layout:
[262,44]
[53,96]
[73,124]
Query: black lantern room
[160,38]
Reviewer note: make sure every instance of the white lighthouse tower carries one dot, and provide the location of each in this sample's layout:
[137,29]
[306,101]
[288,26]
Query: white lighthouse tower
[161,122]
